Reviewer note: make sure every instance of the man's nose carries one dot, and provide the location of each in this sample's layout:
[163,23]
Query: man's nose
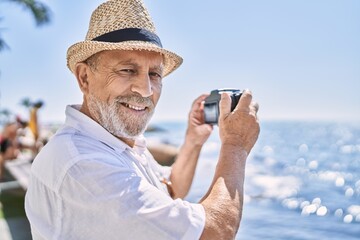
[142,85]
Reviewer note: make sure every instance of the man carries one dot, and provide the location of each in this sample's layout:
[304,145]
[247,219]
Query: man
[95,179]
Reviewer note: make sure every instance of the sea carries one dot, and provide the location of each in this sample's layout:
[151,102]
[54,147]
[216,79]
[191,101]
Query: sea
[302,179]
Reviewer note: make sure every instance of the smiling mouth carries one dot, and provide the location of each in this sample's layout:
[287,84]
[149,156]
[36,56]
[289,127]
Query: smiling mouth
[136,108]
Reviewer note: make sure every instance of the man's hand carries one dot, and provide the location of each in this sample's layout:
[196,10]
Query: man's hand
[198,132]
[239,127]
[223,202]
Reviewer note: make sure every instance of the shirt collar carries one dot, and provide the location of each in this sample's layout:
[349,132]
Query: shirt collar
[140,145]
[88,126]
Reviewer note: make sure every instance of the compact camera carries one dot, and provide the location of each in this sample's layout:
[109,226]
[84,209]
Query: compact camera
[211,105]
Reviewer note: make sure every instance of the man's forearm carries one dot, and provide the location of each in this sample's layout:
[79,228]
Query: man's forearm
[183,170]
[224,200]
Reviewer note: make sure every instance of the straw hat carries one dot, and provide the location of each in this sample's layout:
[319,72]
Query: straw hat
[121,25]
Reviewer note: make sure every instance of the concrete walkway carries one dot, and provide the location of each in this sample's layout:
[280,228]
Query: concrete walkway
[15,229]
[4,230]
[13,222]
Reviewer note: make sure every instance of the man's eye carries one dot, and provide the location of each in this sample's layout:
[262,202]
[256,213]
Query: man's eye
[155,76]
[127,70]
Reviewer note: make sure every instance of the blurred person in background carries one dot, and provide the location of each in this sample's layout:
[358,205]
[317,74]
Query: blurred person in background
[10,145]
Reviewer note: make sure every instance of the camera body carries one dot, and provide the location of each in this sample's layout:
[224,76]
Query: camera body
[211,105]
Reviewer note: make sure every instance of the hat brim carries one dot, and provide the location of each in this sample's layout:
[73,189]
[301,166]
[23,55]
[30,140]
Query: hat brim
[81,51]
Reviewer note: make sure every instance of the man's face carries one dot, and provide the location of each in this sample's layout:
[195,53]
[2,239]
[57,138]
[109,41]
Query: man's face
[124,88]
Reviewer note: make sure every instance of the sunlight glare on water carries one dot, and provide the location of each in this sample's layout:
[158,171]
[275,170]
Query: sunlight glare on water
[302,181]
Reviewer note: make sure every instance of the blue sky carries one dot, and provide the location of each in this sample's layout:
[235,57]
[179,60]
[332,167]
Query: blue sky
[301,58]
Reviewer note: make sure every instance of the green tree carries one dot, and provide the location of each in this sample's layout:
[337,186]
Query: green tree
[40,12]
[26,102]
[5,116]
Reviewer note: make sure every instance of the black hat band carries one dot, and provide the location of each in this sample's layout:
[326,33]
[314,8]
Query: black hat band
[129,34]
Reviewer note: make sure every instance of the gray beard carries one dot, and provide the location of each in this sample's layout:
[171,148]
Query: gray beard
[115,120]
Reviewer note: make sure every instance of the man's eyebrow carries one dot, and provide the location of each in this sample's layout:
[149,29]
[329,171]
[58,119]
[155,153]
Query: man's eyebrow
[132,62]
[159,68]
[128,62]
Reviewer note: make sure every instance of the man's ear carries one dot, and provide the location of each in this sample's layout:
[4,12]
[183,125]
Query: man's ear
[82,71]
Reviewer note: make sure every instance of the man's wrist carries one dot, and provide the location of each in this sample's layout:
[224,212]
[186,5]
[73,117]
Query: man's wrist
[235,146]
[192,139]
[191,142]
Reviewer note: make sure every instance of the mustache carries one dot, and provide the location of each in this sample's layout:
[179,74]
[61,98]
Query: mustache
[143,101]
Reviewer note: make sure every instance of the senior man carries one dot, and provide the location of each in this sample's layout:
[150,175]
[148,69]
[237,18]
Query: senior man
[95,179]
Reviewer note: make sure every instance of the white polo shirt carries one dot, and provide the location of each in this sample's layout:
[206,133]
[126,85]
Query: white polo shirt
[87,184]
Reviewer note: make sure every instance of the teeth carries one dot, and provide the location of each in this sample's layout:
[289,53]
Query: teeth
[135,107]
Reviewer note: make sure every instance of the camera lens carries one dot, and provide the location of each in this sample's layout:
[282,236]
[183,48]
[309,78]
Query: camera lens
[211,113]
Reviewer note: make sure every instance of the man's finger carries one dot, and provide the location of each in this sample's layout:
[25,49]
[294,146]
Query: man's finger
[254,106]
[225,105]
[197,102]
[245,100]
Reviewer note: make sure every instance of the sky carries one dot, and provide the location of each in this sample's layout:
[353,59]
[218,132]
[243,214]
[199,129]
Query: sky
[300,58]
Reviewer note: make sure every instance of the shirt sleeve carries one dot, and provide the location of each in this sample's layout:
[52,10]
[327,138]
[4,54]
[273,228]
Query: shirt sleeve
[113,199]
[161,171]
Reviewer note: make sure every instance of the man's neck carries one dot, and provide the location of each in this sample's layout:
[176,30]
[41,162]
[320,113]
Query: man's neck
[130,142]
